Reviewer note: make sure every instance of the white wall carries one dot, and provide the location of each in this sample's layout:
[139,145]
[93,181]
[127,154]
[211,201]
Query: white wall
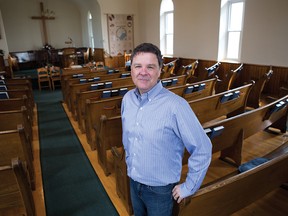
[149,25]
[196,26]
[266,32]
[24,33]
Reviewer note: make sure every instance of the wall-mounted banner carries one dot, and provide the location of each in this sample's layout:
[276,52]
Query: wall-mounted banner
[120,32]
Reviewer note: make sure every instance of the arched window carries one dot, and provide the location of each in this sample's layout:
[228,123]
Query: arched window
[90,30]
[231,27]
[166,27]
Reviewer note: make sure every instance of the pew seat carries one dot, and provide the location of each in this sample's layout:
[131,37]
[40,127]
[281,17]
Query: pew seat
[15,192]
[235,191]
[14,143]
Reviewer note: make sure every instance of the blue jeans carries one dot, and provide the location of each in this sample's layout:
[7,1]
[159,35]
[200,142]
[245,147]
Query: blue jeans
[151,201]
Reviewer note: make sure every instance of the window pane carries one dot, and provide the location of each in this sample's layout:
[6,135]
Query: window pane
[236,14]
[169,44]
[169,23]
[233,45]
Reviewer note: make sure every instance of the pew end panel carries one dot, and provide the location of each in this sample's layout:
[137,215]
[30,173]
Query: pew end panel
[122,181]
[94,110]
[108,135]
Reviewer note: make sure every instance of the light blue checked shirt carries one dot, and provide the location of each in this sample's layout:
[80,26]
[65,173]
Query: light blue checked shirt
[157,126]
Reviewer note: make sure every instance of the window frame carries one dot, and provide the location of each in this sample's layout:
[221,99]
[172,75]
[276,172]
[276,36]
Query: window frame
[166,34]
[231,30]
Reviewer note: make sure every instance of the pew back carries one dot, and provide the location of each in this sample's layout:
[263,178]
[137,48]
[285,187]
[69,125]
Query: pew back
[215,106]
[94,95]
[229,133]
[254,98]
[87,86]
[10,119]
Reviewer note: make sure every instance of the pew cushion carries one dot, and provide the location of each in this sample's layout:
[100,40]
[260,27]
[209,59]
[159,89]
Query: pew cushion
[251,164]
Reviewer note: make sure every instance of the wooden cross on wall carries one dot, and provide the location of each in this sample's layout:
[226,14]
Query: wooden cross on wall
[43,17]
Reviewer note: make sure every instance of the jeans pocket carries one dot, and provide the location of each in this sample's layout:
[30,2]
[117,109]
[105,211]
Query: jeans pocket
[162,189]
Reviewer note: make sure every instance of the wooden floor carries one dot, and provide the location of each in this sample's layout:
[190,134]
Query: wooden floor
[275,203]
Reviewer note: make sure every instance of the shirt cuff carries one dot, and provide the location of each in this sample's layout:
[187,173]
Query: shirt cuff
[185,192]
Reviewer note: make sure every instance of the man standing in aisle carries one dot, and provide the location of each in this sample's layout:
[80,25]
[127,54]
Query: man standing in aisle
[157,127]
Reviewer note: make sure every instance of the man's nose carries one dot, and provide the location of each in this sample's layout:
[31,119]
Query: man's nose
[143,70]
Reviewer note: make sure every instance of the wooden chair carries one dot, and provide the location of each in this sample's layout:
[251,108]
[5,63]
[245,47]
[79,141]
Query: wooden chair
[55,75]
[15,192]
[43,76]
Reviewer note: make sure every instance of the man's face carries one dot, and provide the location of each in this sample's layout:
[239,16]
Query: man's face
[145,71]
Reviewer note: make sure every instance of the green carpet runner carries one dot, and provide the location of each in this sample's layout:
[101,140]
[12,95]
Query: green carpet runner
[71,186]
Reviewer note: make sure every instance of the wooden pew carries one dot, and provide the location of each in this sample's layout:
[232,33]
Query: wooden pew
[18,93]
[229,141]
[189,68]
[15,192]
[177,87]
[207,109]
[67,73]
[227,104]
[237,190]
[254,98]
[94,109]
[14,143]
[193,91]
[95,95]
[227,135]
[121,178]
[16,104]
[168,69]
[204,71]
[251,72]
[102,75]
[227,82]
[183,62]
[74,89]
[20,84]
[10,119]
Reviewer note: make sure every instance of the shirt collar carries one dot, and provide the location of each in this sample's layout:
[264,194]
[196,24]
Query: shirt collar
[152,93]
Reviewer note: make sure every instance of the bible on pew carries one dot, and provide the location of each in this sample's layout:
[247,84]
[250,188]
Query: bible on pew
[106,94]
[4,95]
[3,87]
